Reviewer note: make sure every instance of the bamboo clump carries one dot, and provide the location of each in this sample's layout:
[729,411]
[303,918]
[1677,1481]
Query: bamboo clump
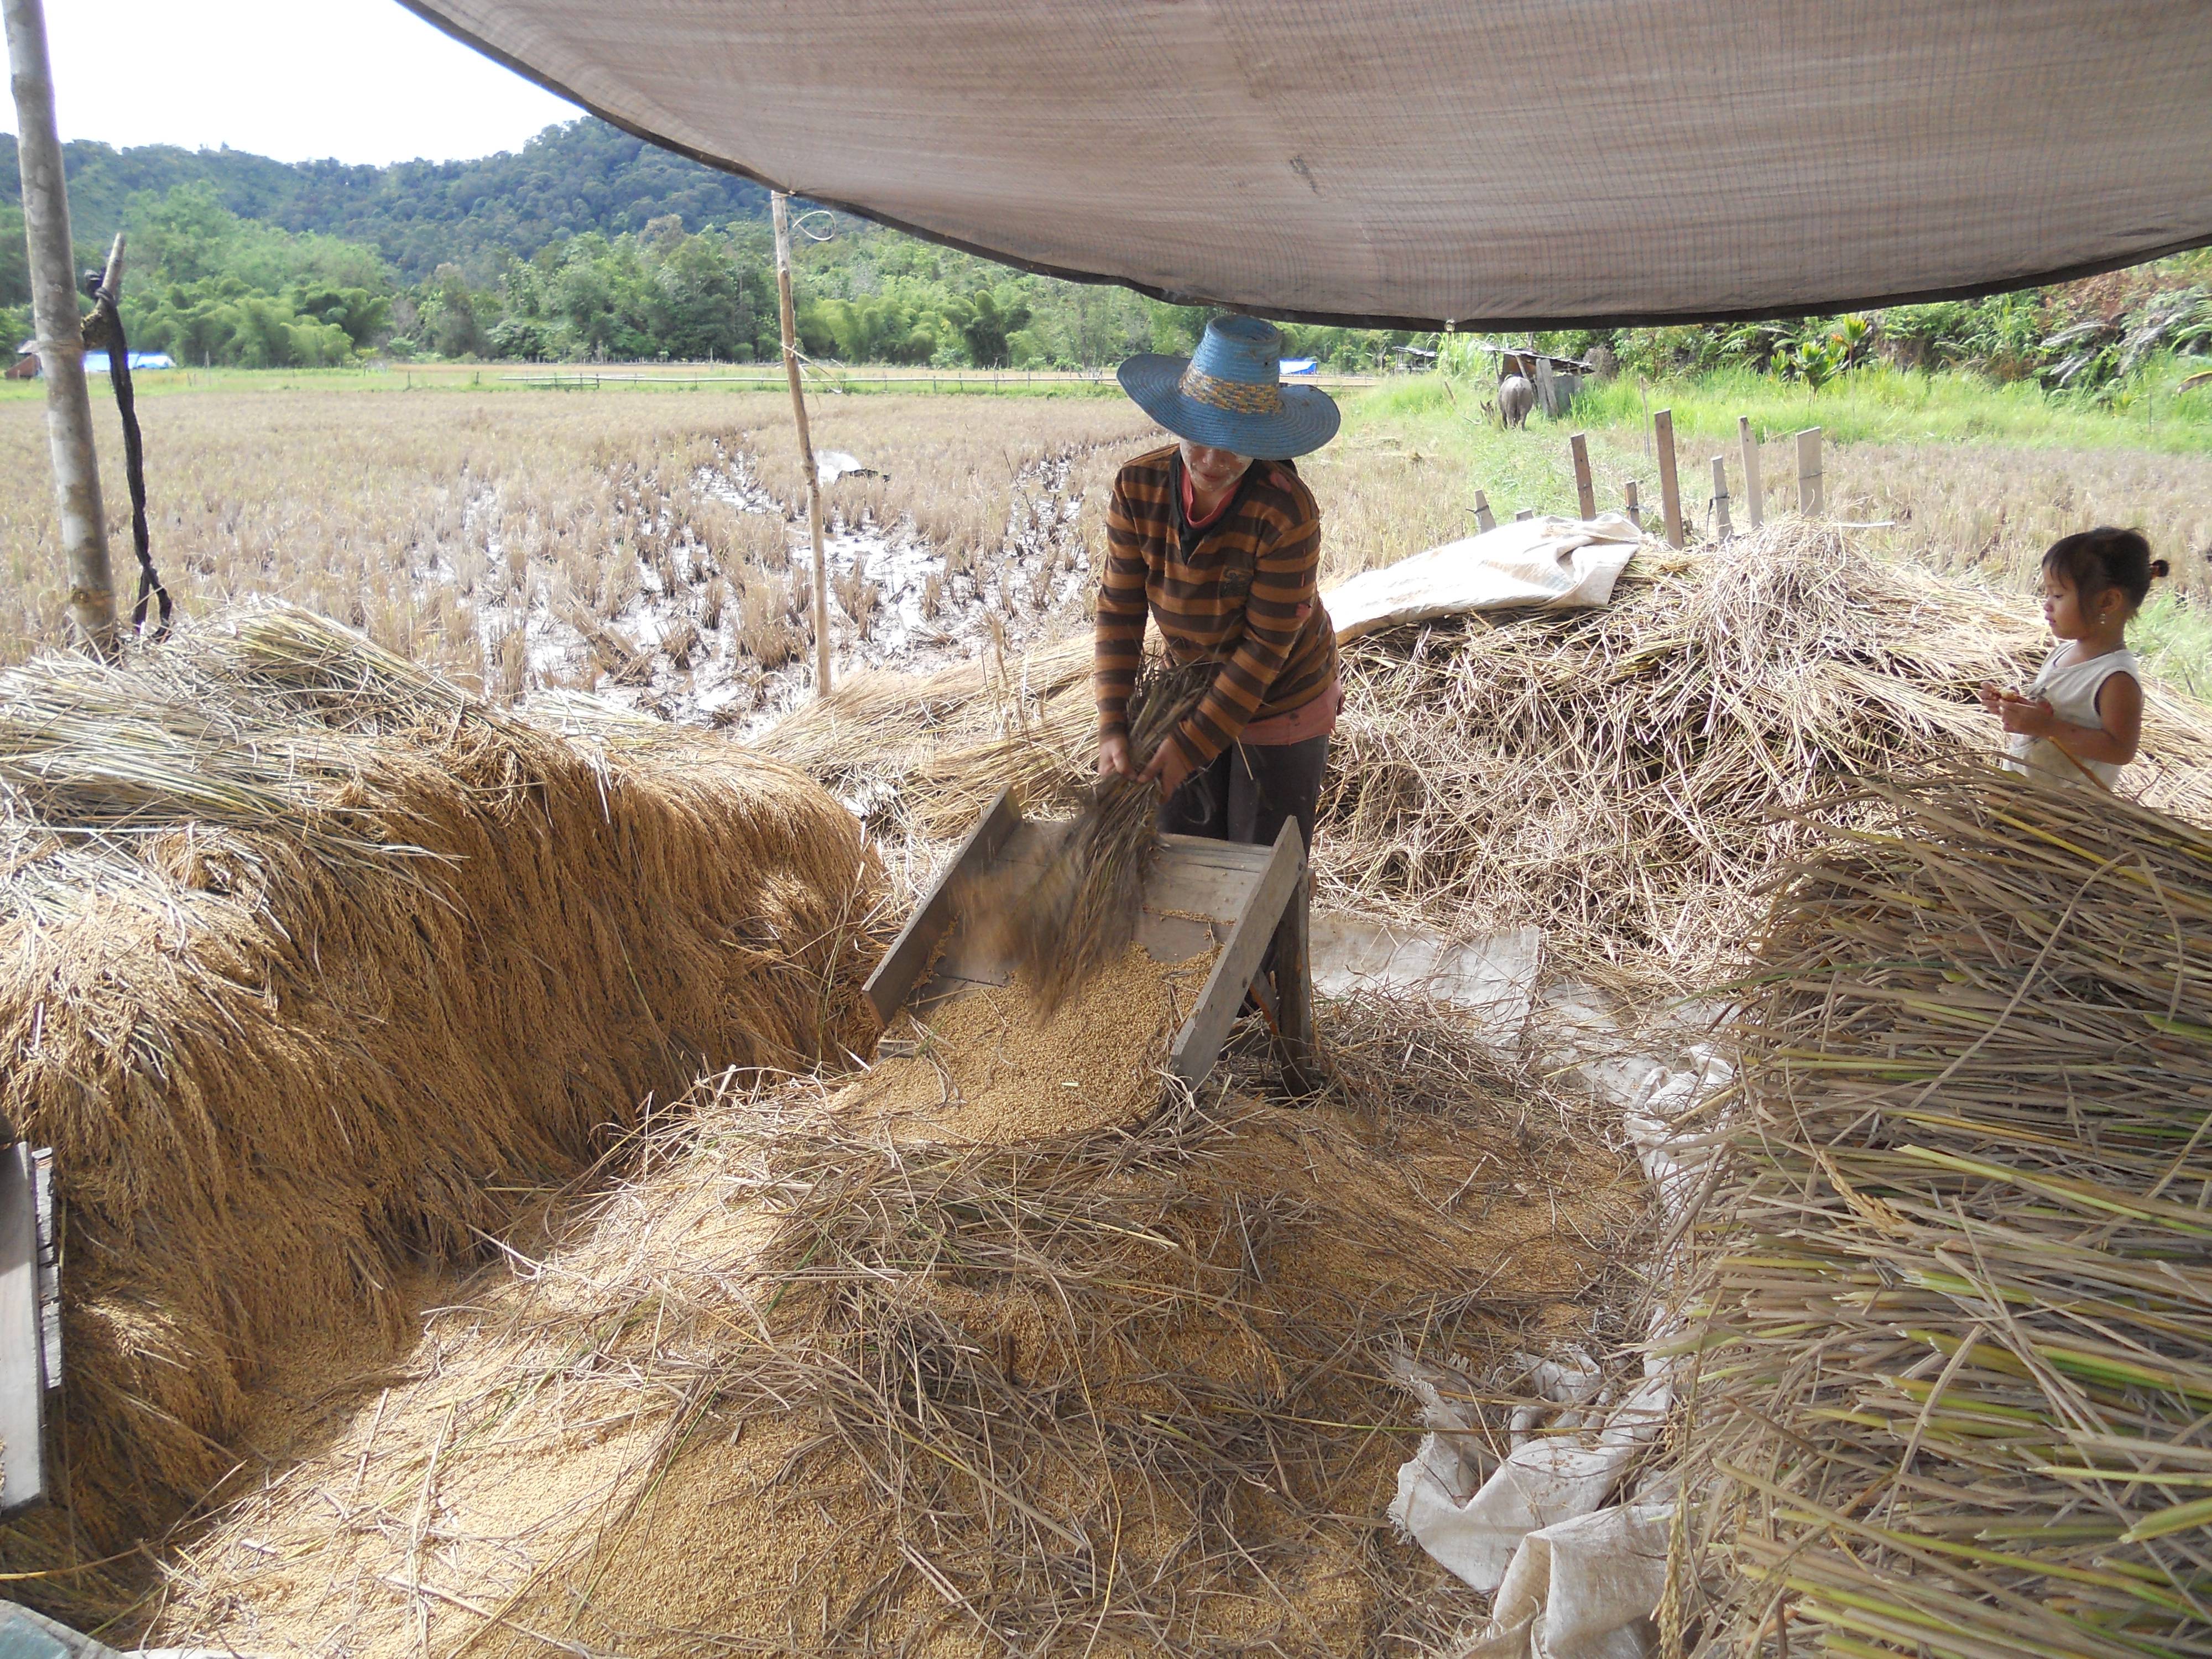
[313,963]
[1953,1327]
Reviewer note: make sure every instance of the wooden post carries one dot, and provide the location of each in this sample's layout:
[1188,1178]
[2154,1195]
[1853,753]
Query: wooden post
[1754,492]
[1808,472]
[1547,388]
[60,327]
[1722,529]
[781,204]
[1585,491]
[1484,518]
[1635,507]
[1670,487]
[1524,515]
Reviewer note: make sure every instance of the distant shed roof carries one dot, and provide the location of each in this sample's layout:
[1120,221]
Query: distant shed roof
[1505,163]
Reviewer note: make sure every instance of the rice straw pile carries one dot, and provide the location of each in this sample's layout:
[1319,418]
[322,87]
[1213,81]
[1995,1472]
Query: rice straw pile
[1954,1372]
[1628,778]
[803,1387]
[315,968]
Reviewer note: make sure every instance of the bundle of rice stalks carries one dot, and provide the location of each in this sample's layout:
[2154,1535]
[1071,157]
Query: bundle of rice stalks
[1627,779]
[1081,912]
[313,965]
[803,1388]
[1954,1391]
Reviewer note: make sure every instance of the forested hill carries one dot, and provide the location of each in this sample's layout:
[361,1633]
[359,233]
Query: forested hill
[581,176]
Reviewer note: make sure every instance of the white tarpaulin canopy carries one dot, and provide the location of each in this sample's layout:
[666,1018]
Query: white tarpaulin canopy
[1401,162]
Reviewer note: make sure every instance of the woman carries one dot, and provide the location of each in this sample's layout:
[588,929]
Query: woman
[1217,540]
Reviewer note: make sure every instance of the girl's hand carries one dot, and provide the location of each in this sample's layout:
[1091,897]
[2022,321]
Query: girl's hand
[2032,717]
[1113,756]
[1169,768]
[1992,699]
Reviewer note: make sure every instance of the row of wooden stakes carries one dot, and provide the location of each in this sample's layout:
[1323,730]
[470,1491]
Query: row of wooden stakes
[1810,501]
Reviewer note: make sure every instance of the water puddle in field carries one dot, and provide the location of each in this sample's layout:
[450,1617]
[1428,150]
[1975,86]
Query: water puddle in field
[895,602]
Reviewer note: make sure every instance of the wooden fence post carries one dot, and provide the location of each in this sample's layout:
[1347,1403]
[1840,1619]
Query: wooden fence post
[1670,487]
[1524,515]
[779,205]
[1547,388]
[1808,472]
[1484,518]
[1754,490]
[1722,529]
[1585,491]
[1635,507]
[60,326]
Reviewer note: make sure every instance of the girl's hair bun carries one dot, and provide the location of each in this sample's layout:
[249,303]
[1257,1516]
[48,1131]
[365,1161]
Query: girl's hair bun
[2095,560]
[2160,568]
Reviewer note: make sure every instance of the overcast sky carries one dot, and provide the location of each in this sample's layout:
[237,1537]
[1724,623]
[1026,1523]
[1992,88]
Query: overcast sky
[360,80]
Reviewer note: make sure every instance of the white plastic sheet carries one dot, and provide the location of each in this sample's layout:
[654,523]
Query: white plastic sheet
[1545,564]
[1582,1589]
[1570,1577]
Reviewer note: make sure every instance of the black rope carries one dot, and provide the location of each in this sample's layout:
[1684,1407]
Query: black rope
[104,327]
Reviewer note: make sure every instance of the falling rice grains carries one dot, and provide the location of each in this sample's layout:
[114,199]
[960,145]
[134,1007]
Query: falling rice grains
[990,1067]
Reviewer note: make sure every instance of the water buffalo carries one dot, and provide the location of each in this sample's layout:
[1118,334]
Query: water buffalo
[1516,397]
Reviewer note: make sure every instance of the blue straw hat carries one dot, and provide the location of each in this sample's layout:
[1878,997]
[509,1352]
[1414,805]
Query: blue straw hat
[1230,394]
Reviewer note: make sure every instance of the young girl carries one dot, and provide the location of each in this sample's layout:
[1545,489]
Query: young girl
[2081,715]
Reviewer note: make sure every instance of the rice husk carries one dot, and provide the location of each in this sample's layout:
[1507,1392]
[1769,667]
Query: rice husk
[998,1066]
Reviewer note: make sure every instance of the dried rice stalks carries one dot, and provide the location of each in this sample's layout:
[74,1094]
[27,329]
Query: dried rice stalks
[1082,912]
[311,961]
[1955,1356]
[1627,779]
[798,1388]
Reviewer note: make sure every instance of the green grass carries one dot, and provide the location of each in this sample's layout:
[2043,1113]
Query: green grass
[1883,405]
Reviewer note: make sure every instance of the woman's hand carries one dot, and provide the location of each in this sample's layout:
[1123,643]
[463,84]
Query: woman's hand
[1992,699]
[1114,756]
[1169,768]
[2030,716]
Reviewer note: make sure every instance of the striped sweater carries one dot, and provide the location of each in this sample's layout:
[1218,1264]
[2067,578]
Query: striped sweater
[1241,591]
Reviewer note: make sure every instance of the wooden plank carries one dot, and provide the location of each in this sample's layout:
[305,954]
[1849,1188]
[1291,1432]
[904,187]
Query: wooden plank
[1754,489]
[1635,507]
[910,952]
[1198,1045]
[1547,389]
[1524,515]
[1484,518]
[1293,977]
[1722,529]
[1585,488]
[1670,487]
[1809,502]
[23,1342]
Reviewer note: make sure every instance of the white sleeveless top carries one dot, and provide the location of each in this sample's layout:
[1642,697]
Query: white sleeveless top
[2071,691]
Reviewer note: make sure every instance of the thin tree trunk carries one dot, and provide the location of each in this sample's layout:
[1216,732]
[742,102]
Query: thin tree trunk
[59,324]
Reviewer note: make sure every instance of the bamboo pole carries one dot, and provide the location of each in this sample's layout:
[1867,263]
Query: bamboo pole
[781,205]
[1754,487]
[59,325]
[1670,487]
[1586,486]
